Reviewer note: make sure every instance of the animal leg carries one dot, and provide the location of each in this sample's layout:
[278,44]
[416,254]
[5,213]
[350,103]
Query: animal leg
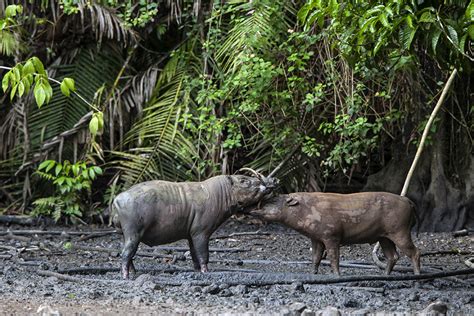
[129,249]
[197,266]
[404,242]
[333,255]
[201,246]
[390,253]
[317,250]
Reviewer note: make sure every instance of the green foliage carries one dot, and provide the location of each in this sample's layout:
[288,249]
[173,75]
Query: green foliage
[31,75]
[362,29]
[71,181]
[9,27]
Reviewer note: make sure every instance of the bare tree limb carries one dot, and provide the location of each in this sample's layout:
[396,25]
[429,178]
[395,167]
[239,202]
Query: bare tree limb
[426,131]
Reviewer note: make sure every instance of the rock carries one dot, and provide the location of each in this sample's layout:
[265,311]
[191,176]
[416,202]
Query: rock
[46,310]
[414,297]
[226,293]
[137,300]
[361,312]
[149,286]
[435,308]
[255,299]
[297,287]
[195,289]
[239,289]
[211,289]
[50,280]
[297,307]
[224,286]
[308,312]
[330,311]
[142,278]
[351,303]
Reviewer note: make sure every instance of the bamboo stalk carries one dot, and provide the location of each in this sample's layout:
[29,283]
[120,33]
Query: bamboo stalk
[426,131]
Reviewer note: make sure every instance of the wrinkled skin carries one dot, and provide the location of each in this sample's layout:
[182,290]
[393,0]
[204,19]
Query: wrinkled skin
[160,212]
[330,220]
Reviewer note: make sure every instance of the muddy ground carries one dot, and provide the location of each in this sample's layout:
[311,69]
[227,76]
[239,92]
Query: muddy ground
[168,285]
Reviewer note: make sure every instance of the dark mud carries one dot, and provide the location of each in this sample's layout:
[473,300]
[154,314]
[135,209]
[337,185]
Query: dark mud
[168,285]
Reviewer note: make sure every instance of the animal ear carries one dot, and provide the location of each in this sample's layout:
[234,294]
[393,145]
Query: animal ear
[231,180]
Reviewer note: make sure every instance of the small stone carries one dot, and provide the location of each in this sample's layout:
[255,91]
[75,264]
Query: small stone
[142,278]
[239,289]
[46,310]
[196,289]
[308,312]
[150,286]
[137,300]
[211,289]
[224,286]
[50,280]
[225,293]
[330,311]
[436,308]
[255,299]
[361,312]
[414,297]
[297,307]
[351,303]
[297,287]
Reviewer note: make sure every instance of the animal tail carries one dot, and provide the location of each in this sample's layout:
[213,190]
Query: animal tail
[415,217]
[114,218]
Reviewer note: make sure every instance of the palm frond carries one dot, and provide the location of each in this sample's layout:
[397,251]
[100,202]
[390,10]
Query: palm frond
[158,149]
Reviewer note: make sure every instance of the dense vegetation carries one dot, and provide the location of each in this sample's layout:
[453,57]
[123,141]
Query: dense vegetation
[339,91]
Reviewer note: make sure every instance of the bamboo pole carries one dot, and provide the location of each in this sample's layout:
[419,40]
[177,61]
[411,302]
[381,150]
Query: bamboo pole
[426,131]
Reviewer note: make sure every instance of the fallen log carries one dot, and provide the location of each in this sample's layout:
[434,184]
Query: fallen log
[258,279]
[96,235]
[51,232]
[16,219]
[104,270]
[139,253]
[184,249]
[256,233]
[78,279]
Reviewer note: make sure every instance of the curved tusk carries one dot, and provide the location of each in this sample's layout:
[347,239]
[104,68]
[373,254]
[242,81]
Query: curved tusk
[258,175]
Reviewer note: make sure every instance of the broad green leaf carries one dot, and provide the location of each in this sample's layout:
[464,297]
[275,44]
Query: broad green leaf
[470,11]
[435,39]
[75,170]
[427,17]
[70,83]
[21,88]
[453,35]
[65,89]
[38,65]
[28,68]
[91,174]
[44,164]
[40,95]
[58,169]
[50,165]
[13,92]
[470,31]
[94,125]
[98,170]
[383,19]
[6,81]
[11,10]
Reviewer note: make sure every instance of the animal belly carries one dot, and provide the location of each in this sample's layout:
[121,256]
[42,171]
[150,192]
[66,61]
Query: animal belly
[359,233]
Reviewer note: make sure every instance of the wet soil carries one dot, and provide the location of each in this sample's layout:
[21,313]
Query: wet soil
[168,285]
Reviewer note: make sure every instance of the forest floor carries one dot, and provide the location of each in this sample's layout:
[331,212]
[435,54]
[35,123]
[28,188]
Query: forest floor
[261,273]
